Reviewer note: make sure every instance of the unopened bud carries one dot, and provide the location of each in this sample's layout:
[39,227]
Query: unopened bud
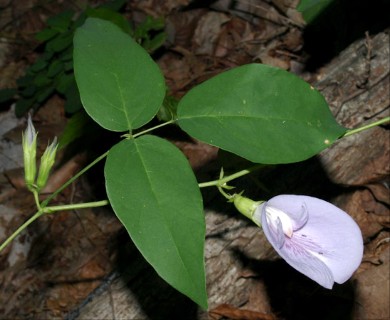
[29,144]
[47,162]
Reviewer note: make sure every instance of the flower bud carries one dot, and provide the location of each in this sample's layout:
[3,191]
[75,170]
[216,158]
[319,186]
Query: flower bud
[47,162]
[245,205]
[29,144]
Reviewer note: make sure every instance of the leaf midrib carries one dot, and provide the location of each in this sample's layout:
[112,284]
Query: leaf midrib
[246,117]
[122,100]
[163,216]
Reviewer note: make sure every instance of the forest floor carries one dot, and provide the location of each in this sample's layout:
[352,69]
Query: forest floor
[54,266]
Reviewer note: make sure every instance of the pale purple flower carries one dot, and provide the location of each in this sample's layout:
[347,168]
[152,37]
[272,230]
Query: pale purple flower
[313,236]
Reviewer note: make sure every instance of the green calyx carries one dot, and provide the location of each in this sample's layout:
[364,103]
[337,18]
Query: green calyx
[244,205]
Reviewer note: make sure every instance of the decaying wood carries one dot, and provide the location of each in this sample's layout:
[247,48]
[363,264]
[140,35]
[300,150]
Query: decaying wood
[357,88]
[243,270]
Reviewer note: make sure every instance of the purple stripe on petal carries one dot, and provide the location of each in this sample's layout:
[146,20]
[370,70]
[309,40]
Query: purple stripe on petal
[300,259]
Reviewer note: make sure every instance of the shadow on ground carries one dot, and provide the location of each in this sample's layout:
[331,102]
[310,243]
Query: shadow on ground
[293,296]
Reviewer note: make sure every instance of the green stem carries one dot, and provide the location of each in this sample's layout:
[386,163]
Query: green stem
[67,183]
[48,210]
[21,228]
[222,181]
[368,126]
[226,195]
[76,206]
[36,198]
[154,128]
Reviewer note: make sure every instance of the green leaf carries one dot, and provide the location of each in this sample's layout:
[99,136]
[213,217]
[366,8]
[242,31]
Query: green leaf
[41,80]
[75,128]
[29,91]
[115,5]
[39,65]
[80,20]
[64,82]
[120,86]
[156,42]
[60,42]
[46,34]
[112,16]
[25,80]
[168,109]
[23,105]
[67,55]
[61,21]
[149,24]
[55,68]
[47,55]
[72,95]
[154,193]
[312,8]
[261,113]
[44,93]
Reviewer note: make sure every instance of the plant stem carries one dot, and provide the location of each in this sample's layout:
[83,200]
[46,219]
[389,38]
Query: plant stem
[67,183]
[76,206]
[21,228]
[226,195]
[368,126]
[154,128]
[48,210]
[222,181]
[36,198]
